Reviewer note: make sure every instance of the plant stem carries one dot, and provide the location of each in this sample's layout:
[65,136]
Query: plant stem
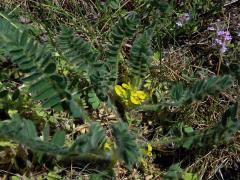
[219,63]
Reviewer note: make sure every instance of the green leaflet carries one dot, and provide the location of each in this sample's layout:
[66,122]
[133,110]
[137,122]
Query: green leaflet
[180,95]
[30,130]
[85,58]
[220,133]
[89,146]
[36,61]
[100,82]
[74,108]
[51,68]
[33,59]
[127,149]
[124,28]
[15,94]
[174,173]
[106,75]
[93,100]
[77,51]
[3,93]
[24,132]
[58,138]
[200,89]
[140,54]
[91,142]
[31,77]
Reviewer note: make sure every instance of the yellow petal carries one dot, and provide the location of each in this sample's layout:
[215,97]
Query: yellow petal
[135,100]
[107,147]
[143,162]
[141,94]
[149,150]
[126,86]
[134,94]
[149,147]
[120,91]
[149,154]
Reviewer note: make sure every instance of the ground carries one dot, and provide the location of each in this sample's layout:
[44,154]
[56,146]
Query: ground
[180,53]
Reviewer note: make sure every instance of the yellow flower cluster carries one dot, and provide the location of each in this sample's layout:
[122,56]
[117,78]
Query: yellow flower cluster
[130,95]
[147,152]
[107,147]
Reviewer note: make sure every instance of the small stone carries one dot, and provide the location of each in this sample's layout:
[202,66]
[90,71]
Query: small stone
[148,177]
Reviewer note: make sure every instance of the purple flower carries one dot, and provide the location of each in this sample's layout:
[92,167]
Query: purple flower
[223,49]
[222,39]
[224,35]
[238,34]
[186,16]
[183,19]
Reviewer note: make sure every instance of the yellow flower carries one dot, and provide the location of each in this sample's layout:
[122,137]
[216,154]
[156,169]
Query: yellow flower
[143,163]
[120,91]
[147,154]
[126,86]
[149,150]
[138,97]
[130,95]
[107,147]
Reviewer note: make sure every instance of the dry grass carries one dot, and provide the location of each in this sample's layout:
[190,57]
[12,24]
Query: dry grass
[193,60]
